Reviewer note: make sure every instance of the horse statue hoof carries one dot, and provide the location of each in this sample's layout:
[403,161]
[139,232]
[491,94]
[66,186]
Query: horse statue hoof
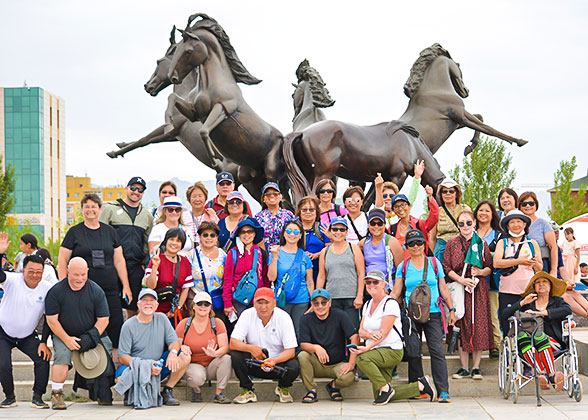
[521,142]
[112,155]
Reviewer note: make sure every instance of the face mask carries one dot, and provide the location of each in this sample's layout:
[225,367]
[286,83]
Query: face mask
[516,235]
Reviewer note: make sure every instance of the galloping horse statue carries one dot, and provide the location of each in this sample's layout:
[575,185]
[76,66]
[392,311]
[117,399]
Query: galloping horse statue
[309,96]
[228,122]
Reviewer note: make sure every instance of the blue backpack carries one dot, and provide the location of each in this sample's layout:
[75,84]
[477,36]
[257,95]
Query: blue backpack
[290,284]
[247,286]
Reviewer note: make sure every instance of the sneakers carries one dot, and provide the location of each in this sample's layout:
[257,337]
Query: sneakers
[104,402]
[196,397]
[428,387]
[385,396]
[284,394]
[168,396]
[58,400]
[221,399]
[37,401]
[476,374]
[461,374]
[245,397]
[9,402]
[126,402]
[444,397]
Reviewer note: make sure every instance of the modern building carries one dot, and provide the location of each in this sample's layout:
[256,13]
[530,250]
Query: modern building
[32,138]
[78,186]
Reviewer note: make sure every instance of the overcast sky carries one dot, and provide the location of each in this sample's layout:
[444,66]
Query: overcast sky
[524,63]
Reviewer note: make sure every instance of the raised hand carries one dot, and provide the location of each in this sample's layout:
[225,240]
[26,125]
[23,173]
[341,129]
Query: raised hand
[419,169]
[4,242]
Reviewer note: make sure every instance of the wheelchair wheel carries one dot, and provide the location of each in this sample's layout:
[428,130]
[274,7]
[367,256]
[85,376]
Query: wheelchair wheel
[505,369]
[578,391]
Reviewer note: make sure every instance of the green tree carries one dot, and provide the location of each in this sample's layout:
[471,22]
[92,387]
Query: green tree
[7,187]
[566,207]
[484,172]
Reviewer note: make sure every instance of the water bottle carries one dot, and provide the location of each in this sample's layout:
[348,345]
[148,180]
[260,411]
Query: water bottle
[452,346]
[159,363]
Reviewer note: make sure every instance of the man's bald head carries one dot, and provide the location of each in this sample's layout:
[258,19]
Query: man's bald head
[77,262]
[77,273]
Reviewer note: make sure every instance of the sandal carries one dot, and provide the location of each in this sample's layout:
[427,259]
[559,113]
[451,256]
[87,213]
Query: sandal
[334,393]
[310,397]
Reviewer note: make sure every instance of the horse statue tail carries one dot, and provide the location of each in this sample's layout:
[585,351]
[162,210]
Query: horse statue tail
[298,182]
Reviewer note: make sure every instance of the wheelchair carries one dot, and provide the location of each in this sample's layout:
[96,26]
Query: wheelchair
[511,379]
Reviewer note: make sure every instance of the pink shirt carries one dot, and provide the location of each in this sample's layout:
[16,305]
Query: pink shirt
[328,215]
[517,282]
[233,273]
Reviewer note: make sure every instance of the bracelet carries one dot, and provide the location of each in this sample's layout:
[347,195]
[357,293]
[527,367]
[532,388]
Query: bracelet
[452,310]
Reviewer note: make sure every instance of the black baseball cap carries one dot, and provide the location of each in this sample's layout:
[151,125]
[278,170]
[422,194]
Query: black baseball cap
[224,176]
[137,180]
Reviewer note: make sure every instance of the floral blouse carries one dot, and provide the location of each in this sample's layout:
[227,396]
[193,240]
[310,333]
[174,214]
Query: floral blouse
[273,225]
[213,270]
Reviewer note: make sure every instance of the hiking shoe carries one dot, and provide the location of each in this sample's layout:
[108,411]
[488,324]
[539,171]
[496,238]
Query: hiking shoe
[37,401]
[168,396]
[58,400]
[9,402]
[385,396]
[428,387]
[444,397]
[196,397]
[245,397]
[221,399]
[494,354]
[461,374]
[104,402]
[422,396]
[476,374]
[284,394]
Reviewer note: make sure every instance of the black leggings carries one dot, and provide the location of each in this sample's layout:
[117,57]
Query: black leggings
[505,300]
[116,317]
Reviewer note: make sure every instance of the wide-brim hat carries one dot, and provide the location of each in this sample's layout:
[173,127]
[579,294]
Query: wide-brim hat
[250,221]
[558,286]
[514,214]
[91,363]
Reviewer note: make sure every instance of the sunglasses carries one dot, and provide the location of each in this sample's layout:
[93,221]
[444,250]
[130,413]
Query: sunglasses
[234,202]
[246,232]
[293,231]
[388,195]
[326,191]
[370,282]
[350,200]
[527,204]
[307,210]
[137,189]
[415,243]
[164,192]
[272,194]
[448,191]
[203,303]
[208,235]
[225,183]
[173,209]
[468,223]
[322,302]
[376,223]
[343,229]
[400,206]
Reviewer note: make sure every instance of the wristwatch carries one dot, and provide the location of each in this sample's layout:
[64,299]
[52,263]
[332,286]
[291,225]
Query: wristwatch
[452,310]
[176,352]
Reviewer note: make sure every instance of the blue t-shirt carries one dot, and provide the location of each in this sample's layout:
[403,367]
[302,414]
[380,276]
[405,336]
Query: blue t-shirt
[285,261]
[314,245]
[414,277]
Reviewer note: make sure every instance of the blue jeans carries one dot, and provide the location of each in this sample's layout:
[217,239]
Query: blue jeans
[164,371]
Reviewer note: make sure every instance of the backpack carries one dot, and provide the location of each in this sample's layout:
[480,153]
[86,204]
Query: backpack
[247,286]
[189,322]
[290,284]
[419,302]
[210,205]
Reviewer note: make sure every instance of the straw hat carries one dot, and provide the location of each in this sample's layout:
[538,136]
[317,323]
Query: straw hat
[558,287]
[92,363]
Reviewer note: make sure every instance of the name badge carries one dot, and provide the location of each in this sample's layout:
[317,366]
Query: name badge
[119,211]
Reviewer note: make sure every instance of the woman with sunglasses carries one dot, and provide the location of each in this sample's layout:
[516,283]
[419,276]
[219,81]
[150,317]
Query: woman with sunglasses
[315,233]
[236,208]
[540,230]
[406,281]
[381,251]
[358,225]
[476,324]
[272,217]
[196,196]
[171,217]
[289,263]
[207,338]
[166,189]
[326,191]
[507,201]
[342,268]
[448,194]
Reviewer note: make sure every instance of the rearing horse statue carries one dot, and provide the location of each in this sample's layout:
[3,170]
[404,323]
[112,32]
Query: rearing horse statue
[309,96]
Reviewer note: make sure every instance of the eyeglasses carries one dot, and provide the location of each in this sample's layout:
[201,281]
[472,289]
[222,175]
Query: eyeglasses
[350,200]
[322,302]
[272,194]
[376,223]
[370,282]
[415,243]
[452,191]
[246,232]
[293,231]
[225,183]
[462,224]
[326,191]
[203,303]
[334,229]
[173,209]
[307,210]
[208,235]
[527,203]
[400,206]
[234,202]
[138,189]
[388,195]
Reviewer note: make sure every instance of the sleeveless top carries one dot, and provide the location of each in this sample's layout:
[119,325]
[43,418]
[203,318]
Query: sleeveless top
[517,282]
[375,257]
[341,274]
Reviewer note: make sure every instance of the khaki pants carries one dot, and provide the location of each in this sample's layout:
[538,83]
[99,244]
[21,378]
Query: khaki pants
[311,368]
[219,369]
[493,297]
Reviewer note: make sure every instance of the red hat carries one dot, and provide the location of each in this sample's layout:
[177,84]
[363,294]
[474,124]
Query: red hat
[264,293]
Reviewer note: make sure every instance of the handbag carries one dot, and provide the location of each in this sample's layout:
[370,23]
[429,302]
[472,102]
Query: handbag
[458,298]
[217,294]
[525,324]
[411,340]
[168,293]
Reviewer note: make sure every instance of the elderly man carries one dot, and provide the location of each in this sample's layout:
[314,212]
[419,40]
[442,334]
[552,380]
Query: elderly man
[22,307]
[145,338]
[324,333]
[263,344]
[77,313]
[225,184]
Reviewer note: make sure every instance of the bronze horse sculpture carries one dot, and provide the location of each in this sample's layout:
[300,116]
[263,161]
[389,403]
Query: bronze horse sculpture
[228,122]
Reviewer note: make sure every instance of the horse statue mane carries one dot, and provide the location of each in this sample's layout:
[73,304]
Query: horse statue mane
[239,71]
[320,94]
[417,72]
[172,41]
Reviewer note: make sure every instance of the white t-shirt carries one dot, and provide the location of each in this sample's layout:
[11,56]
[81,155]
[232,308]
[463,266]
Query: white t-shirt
[21,307]
[361,223]
[277,336]
[374,322]
[49,274]
[158,234]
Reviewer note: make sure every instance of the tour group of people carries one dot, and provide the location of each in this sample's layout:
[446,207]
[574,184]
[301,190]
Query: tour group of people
[322,291]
